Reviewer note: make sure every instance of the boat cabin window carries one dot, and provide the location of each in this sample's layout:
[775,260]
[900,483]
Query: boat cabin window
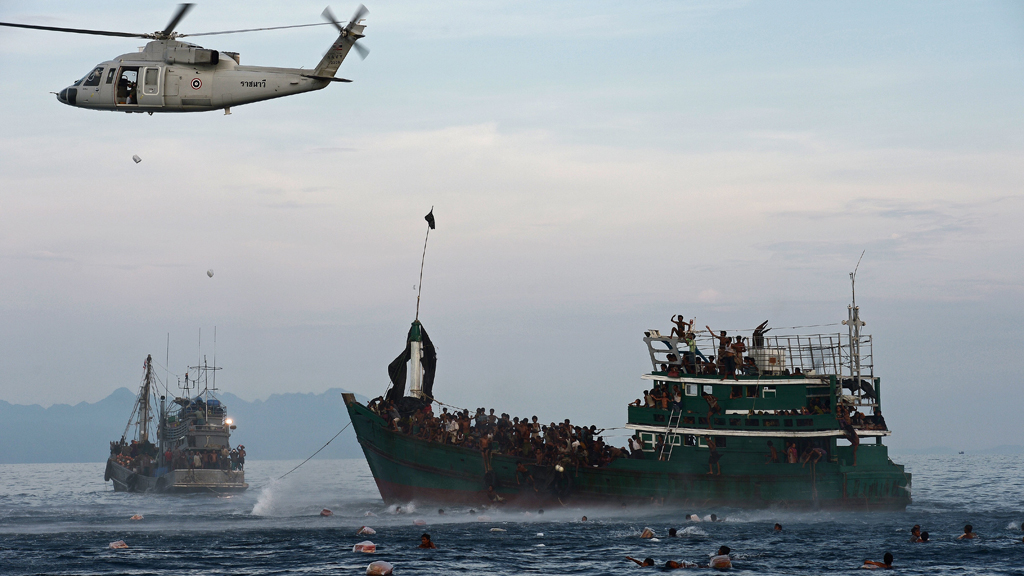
[690,440]
[110,75]
[702,442]
[735,392]
[691,389]
[127,85]
[751,391]
[768,391]
[94,77]
[708,389]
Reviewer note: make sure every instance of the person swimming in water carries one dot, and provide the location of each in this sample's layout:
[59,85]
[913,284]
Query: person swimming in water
[968,533]
[426,542]
[778,527]
[885,563]
[924,537]
[915,533]
[646,563]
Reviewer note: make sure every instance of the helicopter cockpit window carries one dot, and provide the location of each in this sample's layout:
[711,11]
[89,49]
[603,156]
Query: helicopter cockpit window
[110,75]
[127,89]
[94,77]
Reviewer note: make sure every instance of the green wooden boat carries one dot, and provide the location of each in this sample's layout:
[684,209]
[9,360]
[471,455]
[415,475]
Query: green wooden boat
[794,390]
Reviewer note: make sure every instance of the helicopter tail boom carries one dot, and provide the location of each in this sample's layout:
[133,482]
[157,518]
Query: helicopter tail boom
[331,61]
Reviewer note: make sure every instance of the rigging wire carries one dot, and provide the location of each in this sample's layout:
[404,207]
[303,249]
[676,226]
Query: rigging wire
[318,451]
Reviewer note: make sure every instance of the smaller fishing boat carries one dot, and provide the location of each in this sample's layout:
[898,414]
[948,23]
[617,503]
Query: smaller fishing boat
[193,450]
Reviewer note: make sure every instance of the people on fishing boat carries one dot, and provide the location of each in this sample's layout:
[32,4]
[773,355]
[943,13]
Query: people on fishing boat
[713,456]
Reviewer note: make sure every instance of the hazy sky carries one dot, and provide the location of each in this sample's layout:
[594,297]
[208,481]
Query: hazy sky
[594,168]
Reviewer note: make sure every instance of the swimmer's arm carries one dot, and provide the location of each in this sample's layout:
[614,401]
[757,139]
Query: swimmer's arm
[639,563]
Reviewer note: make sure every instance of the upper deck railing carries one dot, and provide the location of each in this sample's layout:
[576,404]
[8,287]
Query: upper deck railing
[807,355]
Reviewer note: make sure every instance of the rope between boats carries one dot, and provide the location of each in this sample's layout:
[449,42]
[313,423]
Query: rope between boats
[318,451]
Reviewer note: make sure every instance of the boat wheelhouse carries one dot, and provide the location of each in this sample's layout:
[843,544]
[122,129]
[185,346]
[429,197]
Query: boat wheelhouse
[193,450]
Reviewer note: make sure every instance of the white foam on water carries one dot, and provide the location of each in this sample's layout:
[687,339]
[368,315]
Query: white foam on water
[692,531]
[265,501]
[1013,526]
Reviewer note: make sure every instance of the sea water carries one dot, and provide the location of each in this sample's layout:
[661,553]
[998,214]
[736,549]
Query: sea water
[61,518]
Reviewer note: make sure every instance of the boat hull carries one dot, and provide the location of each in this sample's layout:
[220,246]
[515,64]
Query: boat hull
[176,481]
[410,469]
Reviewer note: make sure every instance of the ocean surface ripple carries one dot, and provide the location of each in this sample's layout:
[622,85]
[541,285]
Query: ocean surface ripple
[61,518]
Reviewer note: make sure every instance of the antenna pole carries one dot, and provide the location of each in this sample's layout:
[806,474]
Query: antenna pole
[419,287]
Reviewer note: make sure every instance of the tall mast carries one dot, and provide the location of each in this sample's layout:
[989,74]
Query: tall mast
[854,323]
[144,416]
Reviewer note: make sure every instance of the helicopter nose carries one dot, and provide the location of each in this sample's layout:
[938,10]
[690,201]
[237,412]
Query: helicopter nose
[68,96]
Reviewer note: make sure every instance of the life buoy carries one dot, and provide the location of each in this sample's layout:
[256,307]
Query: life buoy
[108,472]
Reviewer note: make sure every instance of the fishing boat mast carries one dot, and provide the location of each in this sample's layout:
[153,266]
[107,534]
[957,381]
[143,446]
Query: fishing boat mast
[142,424]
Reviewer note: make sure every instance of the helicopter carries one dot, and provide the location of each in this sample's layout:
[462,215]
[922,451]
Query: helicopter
[172,76]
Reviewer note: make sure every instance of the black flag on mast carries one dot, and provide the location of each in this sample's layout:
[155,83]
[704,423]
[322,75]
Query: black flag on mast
[430,218]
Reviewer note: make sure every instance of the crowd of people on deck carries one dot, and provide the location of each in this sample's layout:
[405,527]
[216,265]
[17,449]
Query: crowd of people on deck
[548,444]
[144,457]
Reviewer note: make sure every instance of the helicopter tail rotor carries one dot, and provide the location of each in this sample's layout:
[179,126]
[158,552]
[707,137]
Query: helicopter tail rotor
[347,32]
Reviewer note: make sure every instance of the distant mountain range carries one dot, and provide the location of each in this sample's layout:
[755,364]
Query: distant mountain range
[282,427]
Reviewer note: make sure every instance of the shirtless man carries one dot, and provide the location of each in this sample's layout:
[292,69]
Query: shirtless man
[682,326]
[886,563]
[425,542]
[815,453]
[773,455]
[713,456]
[968,533]
[646,563]
[713,407]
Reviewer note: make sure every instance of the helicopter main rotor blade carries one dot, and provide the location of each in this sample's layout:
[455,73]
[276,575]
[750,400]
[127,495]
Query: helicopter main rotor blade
[183,9]
[77,30]
[253,29]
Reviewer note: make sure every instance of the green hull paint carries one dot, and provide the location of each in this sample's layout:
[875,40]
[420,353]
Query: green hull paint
[410,469]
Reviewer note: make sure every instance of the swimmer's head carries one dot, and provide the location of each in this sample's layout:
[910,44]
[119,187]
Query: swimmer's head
[887,558]
[924,536]
[778,527]
[671,531]
[724,550]
[714,518]
[440,510]
[968,529]
[425,538]
[648,561]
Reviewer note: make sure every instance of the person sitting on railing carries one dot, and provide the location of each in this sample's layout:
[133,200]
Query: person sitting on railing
[750,367]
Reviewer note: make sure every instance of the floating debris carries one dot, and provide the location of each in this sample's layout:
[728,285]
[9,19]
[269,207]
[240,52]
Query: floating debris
[325,512]
[118,545]
[210,272]
[498,530]
[365,546]
[419,522]
[366,530]
[136,517]
[136,158]
[379,568]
